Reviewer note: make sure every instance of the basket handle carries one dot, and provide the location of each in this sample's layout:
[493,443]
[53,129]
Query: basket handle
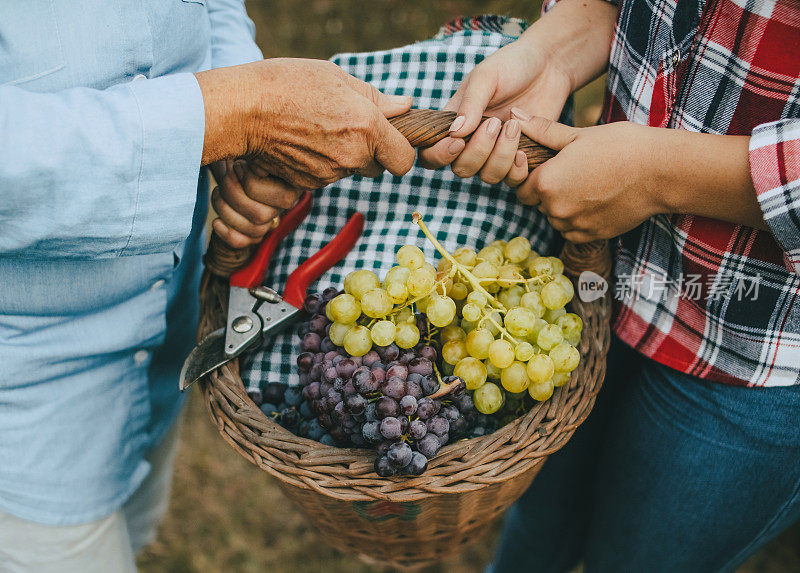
[422,128]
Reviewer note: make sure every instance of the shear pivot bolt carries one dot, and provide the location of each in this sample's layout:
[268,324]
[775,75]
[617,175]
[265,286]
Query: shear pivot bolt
[242,324]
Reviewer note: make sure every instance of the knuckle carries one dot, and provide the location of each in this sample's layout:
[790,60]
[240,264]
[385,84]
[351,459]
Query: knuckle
[490,177]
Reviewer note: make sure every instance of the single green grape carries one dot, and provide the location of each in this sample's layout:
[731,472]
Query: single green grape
[398,293]
[410,256]
[520,321]
[459,291]
[383,332]
[466,325]
[540,368]
[570,323]
[477,298]
[453,351]
[533,301]
[357,341]
[541,392]
[466,257]
[337,332]
[344,308]
[511,296]
[472,371]
[549,336]
[422,304]
[573,339]
[538,324]
[478,342]
[451,332]
[421,282]
[443,265]
[407,335]
[558,266]
[517,249]
[491,255]
[553,315]
[541,266]
[492,325]
[501,353]
[486,272]
[498,244]
[358,283]
[566,284]
[376,303]
[405,315]
[441,310]
[508,275]
[553,295]
[471,312]
[396,274]
[492,371]
[524,351]
[488,399]
[514,377]
[565,357]
[561,378]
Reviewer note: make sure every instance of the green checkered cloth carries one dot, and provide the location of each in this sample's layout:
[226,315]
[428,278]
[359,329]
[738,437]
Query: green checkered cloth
[458,211]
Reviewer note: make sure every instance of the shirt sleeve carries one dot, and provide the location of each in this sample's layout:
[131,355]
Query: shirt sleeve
[232,34]
[775,169]
[91,173]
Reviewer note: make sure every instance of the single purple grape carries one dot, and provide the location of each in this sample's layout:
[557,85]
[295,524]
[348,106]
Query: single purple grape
[273,392]
[346,367]
[390,428]
[310,343]
[444,438]
[338,413]
[413,389]
[371,412]
[417,465]
[450,412]
[388,353]
[421,366]
[417,429]
[333,396]
[383,467]
[318,358]
[364,381]
[357,359]
[372,432]
[330,374]
[407,357]
[379,373]
[315,374]
[336,359]
[428,352]
[355,404]
[312,303]
[304,378]
[403,424]
[325,420]
[330,293]
[339,435]
[326,345]
[459,427]
[324,386]
[349,388]
[438,425]
[426,408]
[398,370]
[429,445]
[408,405]
[386,407]
[399,454]
[330,355]
[394,387]
[305,361]
[370,358]
[383,447]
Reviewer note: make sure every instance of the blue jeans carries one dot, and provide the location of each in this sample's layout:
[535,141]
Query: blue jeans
[668,473]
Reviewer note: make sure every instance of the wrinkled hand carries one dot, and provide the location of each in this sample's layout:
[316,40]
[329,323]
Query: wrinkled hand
[247,201]
[306,122]
[520,75]
[604,180]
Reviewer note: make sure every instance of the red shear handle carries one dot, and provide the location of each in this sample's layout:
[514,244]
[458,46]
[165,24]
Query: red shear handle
[329,255]
[251,275]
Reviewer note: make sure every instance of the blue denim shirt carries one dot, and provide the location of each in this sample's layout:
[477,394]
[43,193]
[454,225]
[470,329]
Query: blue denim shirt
[101,224]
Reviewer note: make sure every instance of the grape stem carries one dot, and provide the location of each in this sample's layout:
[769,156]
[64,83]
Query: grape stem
[476,285]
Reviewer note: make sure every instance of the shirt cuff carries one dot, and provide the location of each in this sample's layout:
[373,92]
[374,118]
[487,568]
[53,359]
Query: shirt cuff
[172,117]
[775,169]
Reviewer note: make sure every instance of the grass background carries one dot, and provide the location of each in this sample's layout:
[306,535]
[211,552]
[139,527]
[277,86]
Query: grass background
[228,515]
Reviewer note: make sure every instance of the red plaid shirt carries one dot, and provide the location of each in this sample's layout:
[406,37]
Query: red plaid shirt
[709,298]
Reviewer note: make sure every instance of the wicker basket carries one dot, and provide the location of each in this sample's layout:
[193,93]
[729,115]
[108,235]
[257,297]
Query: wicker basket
[408,522]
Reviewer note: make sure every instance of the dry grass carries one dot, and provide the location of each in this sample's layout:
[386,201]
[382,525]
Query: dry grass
[226,514]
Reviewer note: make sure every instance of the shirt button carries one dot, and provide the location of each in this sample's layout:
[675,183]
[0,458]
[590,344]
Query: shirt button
[158,284]
[141,357]
[676,57]
[139,77]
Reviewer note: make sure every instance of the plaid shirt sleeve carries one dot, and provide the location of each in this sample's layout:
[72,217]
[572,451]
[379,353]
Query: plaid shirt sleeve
[775,169]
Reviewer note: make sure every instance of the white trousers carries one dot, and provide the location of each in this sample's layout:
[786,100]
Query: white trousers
[105,546]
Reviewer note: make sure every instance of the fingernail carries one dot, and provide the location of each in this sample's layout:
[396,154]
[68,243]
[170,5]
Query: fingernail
[458,123]
[520,159]
[493,126]
[512,129]
[456,146]
[520,114]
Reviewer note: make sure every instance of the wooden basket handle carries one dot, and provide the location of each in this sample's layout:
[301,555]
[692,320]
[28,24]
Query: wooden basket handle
[422,128]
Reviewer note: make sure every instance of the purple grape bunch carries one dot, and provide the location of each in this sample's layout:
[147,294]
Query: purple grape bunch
[381,400]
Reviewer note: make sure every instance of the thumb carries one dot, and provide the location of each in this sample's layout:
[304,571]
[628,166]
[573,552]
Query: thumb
[547,132]
[474,95]
[388,105]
